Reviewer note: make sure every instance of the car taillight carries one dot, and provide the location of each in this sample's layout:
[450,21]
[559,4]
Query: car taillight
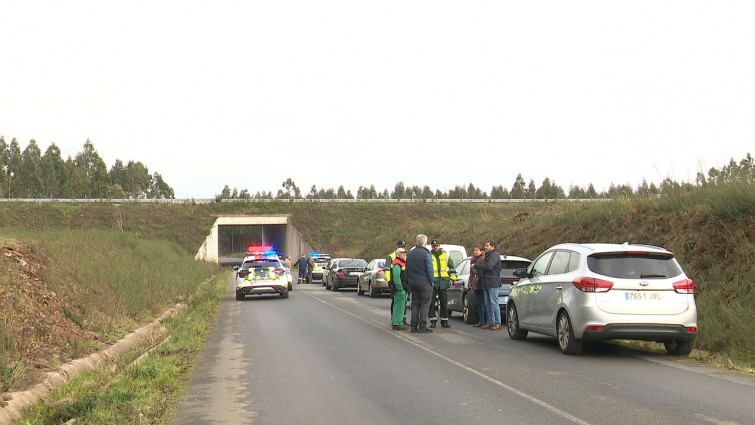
[691,330]
[278,271]
[243,273]
[686,286]
[340,273]
[594,328]
[590,284]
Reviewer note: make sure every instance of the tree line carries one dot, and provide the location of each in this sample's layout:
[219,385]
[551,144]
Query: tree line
[742,171]
[31,174]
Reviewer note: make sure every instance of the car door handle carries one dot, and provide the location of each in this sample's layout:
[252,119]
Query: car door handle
[558,288]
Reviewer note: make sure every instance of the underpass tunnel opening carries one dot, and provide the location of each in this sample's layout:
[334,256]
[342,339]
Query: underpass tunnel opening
[233,240]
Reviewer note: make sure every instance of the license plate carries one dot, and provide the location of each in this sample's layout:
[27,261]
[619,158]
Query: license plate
[354,273]
[643,296]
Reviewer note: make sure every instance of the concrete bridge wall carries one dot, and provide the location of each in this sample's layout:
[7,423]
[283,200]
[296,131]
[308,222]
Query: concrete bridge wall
[294,243]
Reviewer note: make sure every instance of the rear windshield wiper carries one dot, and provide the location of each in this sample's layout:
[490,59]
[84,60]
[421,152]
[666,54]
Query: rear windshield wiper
[642,276]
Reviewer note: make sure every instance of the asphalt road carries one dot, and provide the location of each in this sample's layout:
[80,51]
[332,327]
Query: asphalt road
[323,357]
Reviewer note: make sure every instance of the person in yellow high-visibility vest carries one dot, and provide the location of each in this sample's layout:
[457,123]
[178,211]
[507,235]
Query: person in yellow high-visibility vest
[445,272]
[387,269]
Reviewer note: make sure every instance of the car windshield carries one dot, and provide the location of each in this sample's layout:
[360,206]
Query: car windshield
[353,263]
[321,261]
[634,266]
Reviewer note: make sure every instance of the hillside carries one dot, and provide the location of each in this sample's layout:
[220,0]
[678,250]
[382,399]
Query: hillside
[711,230]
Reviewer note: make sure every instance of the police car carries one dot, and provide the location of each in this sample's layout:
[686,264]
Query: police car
[321,262]
[266,256]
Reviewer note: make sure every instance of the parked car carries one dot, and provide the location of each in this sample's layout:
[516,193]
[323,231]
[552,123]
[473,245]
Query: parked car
[321,262]
[326,270]
[372,280]
[589,292]
[344,273]
[260,277]
[457,294]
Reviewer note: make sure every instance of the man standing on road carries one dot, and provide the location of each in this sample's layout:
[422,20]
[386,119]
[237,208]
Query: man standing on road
[387,269]
[310,268]
[443,273]
[302,262]
[419,271]
[491,282]
[399,290]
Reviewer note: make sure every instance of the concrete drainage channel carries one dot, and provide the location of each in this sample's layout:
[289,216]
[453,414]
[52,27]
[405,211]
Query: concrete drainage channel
[145,337]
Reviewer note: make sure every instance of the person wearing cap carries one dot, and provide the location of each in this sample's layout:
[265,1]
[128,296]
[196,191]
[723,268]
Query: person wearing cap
[387,270]
[443,273]
[399,289]
[419,272]
[490,282]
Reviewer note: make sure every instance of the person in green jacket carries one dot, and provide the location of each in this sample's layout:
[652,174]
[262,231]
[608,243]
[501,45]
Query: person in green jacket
[401,285]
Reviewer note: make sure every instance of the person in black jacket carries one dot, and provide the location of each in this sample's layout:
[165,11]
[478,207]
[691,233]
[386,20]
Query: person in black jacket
[491,282]
[419,271]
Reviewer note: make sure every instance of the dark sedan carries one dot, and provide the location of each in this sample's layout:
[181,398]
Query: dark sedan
[467,305]
[344,273]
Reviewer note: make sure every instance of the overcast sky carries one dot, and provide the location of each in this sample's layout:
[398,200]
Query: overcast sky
[437,93]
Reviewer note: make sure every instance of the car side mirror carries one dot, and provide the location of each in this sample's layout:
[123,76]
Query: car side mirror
[521,273]
[236,267]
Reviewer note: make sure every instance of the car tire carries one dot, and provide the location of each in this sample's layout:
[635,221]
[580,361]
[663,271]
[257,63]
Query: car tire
[679,348]
[290,287]
[470,313]
[239,297]
[359,289]
[565,334]
[334,288]
[284,293]
[512,323]
[373,293]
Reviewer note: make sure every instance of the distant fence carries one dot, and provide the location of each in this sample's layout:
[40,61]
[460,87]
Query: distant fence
[212,200]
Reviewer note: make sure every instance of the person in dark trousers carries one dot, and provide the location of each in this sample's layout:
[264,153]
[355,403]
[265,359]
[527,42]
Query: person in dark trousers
[475,287]
[491,282]
[388,268]
[419,271]
[399,289]
[310,268]
[443,273]
[302,262]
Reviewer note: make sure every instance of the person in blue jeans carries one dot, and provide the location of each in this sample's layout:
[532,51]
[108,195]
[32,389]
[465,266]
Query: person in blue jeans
[475,286]
[491,282]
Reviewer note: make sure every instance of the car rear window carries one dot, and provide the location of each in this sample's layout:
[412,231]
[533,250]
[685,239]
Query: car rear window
[514,264]
[634,265]
[353,263]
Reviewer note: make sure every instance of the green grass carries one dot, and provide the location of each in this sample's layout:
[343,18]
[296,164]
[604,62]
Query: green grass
[143,393]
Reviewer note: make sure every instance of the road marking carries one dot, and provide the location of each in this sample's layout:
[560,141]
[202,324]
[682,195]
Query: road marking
[506,387]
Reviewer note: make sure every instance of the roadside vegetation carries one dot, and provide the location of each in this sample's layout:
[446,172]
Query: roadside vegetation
[76,277]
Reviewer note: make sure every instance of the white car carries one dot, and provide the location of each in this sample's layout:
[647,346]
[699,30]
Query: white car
[260,277]
[589,292]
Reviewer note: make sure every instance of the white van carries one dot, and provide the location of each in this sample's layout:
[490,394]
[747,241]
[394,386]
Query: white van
[456,253]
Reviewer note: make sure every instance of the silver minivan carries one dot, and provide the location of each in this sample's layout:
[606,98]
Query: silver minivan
[588,292]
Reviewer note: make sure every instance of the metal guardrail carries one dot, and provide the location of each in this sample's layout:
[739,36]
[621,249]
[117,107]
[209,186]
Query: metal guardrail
[210,201]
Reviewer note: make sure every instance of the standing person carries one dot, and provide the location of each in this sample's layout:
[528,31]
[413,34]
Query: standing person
[389,265]
[302,262]
[475,284]
[399,289]
[443,273]
[310,268]
[287,262]
[491,282]
[419,272]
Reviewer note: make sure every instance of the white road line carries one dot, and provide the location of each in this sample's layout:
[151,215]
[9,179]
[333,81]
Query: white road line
[506,387]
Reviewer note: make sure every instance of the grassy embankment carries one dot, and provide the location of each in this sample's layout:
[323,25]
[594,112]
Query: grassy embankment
[712,231]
